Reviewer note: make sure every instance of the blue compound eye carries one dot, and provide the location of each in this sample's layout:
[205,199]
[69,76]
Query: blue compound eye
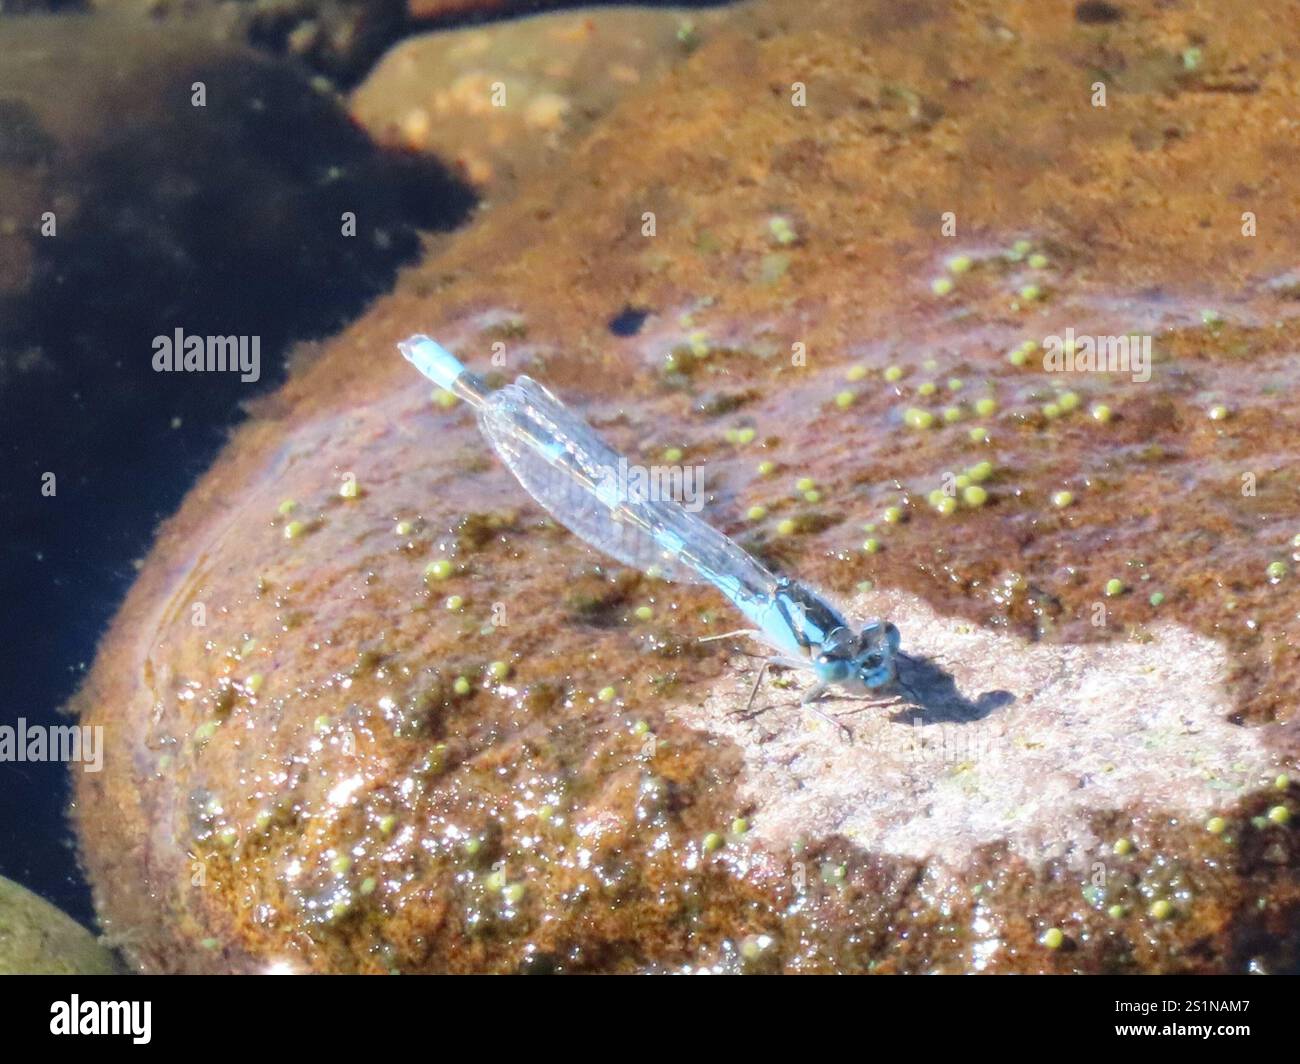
[893,637]
[832,670]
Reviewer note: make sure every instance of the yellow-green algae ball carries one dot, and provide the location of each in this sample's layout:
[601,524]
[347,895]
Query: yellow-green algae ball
[437,570]
[986,407]
[960,263]
[206,731]
[294,529]
[713,841]
[844,400]
[804,484]
[1101,412]
[893,515]
[1216,825]
[1114,587]
[1276,571]
[855,373]
[941,286]
[786,527]
[781,230]
[643,613]
[461,686]
[1062,499]
[926,388]
[980,471]
[894,373]
[871,546]
[975,496]
[766,468]
[756,513]
[607,694]
[499,670]
[1162,909]
[978,434]
[1122,847]
[1053,938]
[917,418]
[1280,815]
[349,489]
[287,507]
[948,505]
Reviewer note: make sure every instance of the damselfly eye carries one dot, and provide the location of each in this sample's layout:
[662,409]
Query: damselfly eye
[872,661]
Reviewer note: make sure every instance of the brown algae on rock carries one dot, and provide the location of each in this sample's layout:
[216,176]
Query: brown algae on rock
[363,809]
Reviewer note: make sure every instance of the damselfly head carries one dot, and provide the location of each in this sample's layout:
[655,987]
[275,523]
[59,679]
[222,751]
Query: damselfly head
[859,661]
[875,663]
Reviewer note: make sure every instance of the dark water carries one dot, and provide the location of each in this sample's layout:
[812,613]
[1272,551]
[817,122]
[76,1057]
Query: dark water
[226,228]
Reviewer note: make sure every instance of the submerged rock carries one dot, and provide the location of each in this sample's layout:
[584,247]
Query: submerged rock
[38,939]
[420,728]
[502,102]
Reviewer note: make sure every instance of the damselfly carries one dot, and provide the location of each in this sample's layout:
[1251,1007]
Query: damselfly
[574,475]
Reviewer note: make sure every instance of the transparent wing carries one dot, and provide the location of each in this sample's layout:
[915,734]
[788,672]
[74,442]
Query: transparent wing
[578,478]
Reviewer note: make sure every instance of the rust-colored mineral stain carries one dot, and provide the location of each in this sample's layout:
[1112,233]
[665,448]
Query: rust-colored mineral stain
[383,798]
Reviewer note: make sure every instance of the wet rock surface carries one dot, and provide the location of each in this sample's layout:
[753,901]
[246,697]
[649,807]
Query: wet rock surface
[422,728]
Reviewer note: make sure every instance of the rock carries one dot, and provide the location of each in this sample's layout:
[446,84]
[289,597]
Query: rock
[504,102]
[38,939]
[336,38]
[365,762]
